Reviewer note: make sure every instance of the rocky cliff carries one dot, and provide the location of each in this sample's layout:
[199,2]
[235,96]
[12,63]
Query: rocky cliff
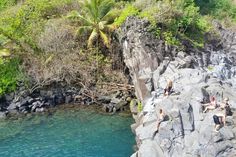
[196,75]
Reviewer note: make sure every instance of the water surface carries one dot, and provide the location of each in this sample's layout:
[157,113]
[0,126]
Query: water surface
[67,133]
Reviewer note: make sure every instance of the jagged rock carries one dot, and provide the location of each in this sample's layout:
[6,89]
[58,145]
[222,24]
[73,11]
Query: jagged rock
[115,100]
[39,110]
[2,114]
[197,74]
[226,133]
[68,99]
[23,108]
[150,149]
[9,97]
[35,105]
[13,106]
[120,105]
[104,99]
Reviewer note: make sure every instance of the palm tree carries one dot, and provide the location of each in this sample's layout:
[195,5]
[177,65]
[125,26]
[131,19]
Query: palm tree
[96,19]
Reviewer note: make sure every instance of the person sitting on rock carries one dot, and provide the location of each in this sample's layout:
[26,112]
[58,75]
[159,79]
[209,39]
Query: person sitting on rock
[225,105]
[167,90]
[219,119]
[210,106]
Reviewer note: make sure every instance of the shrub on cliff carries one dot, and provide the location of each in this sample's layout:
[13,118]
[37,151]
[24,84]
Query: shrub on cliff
[224,10]
[129,10]
[9,75]
[171,20]
[23,23]
[6,3]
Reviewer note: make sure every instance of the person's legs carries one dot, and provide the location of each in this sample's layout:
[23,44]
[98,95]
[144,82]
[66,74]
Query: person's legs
[217,122]
[207,104]
[217,127]
[209,108]
[158,124]
[165,92]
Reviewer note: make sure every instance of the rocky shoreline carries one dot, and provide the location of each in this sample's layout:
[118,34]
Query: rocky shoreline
[41,100]
[197,74]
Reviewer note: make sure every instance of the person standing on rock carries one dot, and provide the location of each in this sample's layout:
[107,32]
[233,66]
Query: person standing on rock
[167,90]
[210,106]
[160,119]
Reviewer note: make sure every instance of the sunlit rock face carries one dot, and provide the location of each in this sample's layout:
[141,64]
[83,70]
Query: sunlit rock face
[197,74]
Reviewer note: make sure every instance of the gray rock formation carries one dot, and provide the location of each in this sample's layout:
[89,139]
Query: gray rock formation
[196,75]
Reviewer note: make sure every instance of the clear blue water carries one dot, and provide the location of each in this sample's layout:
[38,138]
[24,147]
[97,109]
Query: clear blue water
[67,133]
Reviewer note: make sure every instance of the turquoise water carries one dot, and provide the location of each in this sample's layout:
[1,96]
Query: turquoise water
[67,133]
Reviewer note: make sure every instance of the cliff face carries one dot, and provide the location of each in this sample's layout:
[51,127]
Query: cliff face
[196,75]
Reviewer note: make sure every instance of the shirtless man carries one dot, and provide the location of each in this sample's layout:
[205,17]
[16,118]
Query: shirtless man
[161,118]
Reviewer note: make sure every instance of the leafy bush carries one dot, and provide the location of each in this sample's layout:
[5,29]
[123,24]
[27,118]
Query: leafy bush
[6,3]
[57,37]
[145,5]
[129,10]
[9,75]
[220,9]
[25,22]
[3,40]
[172,20]
[150,14]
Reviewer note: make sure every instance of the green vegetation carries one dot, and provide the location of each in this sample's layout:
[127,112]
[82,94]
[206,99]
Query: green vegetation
[175,20]
[219,9]
[23,24]
[6,3]
[96,20]
[129,10]
[48,36]
[9,75]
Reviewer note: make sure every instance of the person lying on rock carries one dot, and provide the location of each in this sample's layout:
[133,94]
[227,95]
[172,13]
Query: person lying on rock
[167,90]
[219,119]
[210,106]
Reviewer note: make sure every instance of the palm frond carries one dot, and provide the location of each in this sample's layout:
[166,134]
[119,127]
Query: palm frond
[105,38]
[92,37]
[84,29]
[110,28]
[72,15]
[76,15]
[91,9]
[111,15]
[104,7]
[4,53]
[49,59]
